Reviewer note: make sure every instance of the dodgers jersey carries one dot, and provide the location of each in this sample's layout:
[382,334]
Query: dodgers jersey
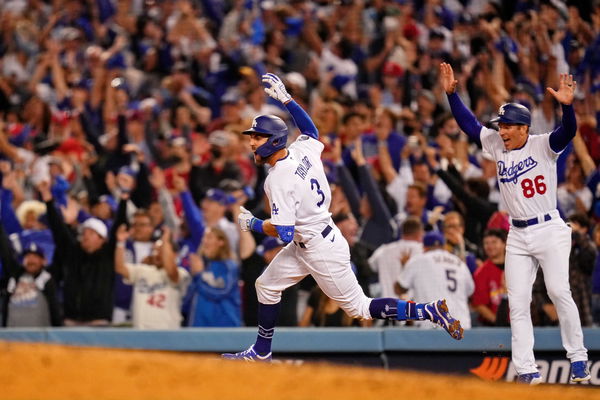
[526,176]
[298,190]
[156,299]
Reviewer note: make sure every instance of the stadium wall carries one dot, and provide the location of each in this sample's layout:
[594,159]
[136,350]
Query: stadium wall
[484,352]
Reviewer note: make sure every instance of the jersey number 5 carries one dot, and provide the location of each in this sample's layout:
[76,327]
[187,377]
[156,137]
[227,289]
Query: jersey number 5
[451,278]
[530,188]
[315,184]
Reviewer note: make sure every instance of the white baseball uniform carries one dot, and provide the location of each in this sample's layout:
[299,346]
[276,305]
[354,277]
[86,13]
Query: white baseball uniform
[439,273]
[387,262]
[156,299]
[527,179]
[299,195]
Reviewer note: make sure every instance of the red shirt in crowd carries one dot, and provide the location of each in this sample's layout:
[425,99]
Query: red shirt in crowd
[488,287]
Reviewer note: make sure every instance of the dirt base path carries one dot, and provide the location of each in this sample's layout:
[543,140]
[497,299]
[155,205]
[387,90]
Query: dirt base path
[45,372]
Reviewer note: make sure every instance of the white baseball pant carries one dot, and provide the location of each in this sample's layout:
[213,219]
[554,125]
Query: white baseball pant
[328,261]
[548,245]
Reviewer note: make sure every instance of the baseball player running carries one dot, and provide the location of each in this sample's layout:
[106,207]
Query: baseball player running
[526,169]
[299,195]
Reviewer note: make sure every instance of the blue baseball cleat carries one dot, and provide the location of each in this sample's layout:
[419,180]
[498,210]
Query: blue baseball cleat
[580,371]
[247,355]
[533,378]
[439,314]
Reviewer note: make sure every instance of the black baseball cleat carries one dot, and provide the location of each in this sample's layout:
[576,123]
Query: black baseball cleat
[437,312]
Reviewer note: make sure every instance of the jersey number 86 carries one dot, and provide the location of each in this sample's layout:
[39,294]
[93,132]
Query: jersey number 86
[531,187]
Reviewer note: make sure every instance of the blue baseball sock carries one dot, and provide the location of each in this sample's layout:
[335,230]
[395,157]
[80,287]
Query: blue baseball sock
[384,308]
[414,311]
[388,308]
[267,316]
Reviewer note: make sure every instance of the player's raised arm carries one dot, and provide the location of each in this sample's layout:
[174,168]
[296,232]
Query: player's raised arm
[565,132]
[464,117]
[275,88]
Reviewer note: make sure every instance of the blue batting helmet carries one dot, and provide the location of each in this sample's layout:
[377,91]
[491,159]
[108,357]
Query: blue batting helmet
[513,113]
[274,128]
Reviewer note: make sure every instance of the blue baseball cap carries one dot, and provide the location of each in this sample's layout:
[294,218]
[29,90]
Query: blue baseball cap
[219,196]
[108,199]
[269,243]
[117,61]
[433,238]
[127,170]
[34,249]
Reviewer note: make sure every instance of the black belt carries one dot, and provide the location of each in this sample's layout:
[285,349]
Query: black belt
[324,233]
[524,223]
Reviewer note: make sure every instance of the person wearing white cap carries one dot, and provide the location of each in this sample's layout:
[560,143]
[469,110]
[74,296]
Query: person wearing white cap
[85,263]
[93,234]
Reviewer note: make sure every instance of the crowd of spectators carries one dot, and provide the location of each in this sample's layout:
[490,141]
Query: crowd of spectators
[123,166]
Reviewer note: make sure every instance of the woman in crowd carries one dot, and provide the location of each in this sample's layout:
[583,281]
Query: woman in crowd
[214,293]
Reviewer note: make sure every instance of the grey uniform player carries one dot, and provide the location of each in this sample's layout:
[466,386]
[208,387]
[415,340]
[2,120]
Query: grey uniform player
[437,272]
[526,170]
[299,195]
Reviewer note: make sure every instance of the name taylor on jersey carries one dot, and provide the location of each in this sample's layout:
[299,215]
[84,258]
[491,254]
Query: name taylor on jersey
[303,167]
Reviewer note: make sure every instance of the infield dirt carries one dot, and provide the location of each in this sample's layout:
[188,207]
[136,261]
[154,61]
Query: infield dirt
[45,372]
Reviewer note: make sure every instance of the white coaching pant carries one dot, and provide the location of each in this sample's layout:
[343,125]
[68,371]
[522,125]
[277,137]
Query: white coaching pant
[548,244]
[328,261]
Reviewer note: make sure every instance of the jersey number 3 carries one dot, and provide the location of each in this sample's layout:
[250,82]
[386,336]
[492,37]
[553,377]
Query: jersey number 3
[531,187]
[315,184]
